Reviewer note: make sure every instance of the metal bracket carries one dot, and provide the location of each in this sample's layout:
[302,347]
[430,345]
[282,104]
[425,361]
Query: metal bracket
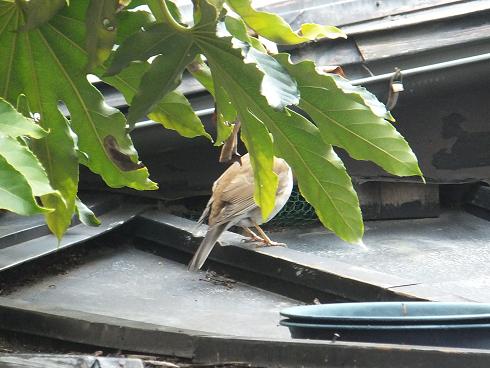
[396,86]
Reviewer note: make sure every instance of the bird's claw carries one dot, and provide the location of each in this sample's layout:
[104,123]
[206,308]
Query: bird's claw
[253,240]
[271,244]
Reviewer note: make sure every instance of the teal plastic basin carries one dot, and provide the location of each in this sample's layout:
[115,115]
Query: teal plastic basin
[465,325]
[391,312]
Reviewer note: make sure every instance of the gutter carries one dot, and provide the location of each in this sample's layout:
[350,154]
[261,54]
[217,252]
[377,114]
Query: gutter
[436,67]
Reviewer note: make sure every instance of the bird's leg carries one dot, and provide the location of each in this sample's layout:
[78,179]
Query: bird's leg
[251,235]
[267,242]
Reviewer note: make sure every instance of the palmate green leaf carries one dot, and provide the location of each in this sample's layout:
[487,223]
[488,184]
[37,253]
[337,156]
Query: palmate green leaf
[163,76]
[129,22]
[134,3]
[259,144]
[100,129]
[173,111]
[202,73]
[226,114]
[200,70]
[237,28]
[26,163]
[14,124]
[175,50]
[322,178]
[38,12]
[223,130]
[58,155]
[174,10]
[312,31]
[321,175]
[15,193]
[276,29]
[352,118]
[20,164]
[144,44]
[23,107]
[230,78]
[277,86]
[47,64]
[85,214]
[21,73]
[156,8]
[218,4]
[100,21]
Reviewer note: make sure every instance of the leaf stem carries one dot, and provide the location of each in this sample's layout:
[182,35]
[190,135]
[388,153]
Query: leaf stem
[162,14]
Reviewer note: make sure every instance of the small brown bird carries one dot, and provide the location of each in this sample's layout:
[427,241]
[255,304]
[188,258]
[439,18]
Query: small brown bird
[232,203]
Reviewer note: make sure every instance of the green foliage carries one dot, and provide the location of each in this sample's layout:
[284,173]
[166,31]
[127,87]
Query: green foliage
[14,124]
[173,111]
[39,12]
[47,64]
[86,215]
[21,175]
[322,178]
[350,117]
[174,52]
[48,53]
[101,29]
[15,192]
[274,28]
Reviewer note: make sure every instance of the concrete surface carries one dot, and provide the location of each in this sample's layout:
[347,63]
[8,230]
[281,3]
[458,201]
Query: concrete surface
[133,284]
[451,252]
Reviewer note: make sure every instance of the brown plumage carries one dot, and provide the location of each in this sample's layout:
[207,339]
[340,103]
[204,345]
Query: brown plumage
[232,204]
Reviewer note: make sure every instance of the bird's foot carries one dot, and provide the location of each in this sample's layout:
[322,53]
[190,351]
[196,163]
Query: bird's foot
[255,239]
[265,240]
[252,237]
[270,243]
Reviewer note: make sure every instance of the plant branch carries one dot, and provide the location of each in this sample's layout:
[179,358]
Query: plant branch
[162,14]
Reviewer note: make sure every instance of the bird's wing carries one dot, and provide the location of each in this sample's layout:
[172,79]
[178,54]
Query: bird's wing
[237,206]
[233,194]
[205,213]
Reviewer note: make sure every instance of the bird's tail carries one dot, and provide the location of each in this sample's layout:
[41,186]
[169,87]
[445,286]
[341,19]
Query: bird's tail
[206,246]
